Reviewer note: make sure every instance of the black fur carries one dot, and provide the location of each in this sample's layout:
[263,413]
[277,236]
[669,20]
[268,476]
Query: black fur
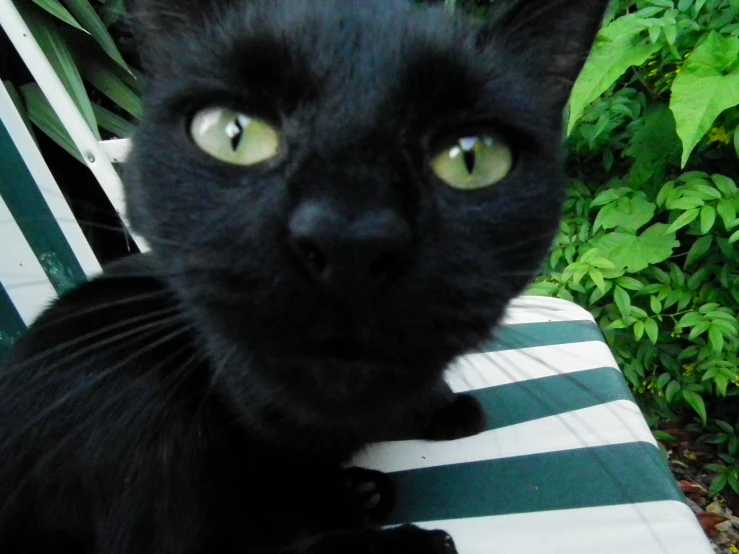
[202,398]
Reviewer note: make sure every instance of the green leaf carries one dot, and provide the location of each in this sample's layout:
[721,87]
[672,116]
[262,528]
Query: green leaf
[734,237]
[725,427]
[716,339]
[699,249]
[619,45]
[655,305]
[698,278]
[626,213]
[113,87]
[616,324]
[698,330]
[671,390]
[662,380]
[43,116]
[663,436]
[636,252]
[59,11]
[88,17]
[664,193]
[722,384]
[726,185]
[703,190]
[623,302]
[597,278]
[690,319]
[113,122]
[707,84]
[44,30]
[542,289]
[655,144]
[736,140]
[708,218]
[683,219]
[718,484]
[638,330]
[685,203]
[727,211]
[696,402]
[629,283]
[609,195]
[733,481]
[650,327]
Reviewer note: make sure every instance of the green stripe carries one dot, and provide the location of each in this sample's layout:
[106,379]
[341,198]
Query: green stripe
[30,211]
[11,324]
[582,478]
[527,335]
[548,396]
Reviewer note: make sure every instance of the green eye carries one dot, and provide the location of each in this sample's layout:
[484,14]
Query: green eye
[473,162]
[234,137]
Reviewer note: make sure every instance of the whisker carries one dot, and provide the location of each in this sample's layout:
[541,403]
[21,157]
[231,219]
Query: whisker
[13,368]
[89,383]
[96,225]
[92,381]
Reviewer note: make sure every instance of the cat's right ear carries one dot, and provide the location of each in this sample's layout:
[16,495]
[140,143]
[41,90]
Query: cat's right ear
[550,39]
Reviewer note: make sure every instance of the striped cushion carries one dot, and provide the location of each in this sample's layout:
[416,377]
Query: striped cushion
[567,465]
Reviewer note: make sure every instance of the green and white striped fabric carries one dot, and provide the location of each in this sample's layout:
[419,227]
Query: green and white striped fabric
[567,465]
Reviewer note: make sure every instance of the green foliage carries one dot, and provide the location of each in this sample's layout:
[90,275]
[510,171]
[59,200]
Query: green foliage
[78,39]
[686,52]
[647,244]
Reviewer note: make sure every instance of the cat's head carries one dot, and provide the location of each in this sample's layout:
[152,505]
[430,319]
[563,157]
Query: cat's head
[345,184]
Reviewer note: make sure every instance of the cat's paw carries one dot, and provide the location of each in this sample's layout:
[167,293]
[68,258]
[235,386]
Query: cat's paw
[462,417]
[409,538]
[369,492]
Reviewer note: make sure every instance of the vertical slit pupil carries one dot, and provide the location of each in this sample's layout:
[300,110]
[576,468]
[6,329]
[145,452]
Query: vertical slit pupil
[468,156]
[236,130]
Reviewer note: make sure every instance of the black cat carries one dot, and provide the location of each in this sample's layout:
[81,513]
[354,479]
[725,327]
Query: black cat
[341,197]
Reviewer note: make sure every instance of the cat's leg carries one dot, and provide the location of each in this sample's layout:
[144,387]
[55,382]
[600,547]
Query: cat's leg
[405,539]
[456,416]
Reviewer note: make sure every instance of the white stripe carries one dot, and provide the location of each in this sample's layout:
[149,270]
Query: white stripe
[666,527]
[618,422]
[492,369]
[47,185]
[539,309]
[117,150]
[21,273]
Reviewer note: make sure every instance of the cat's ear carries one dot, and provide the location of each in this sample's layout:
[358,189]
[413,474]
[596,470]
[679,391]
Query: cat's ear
[551,38]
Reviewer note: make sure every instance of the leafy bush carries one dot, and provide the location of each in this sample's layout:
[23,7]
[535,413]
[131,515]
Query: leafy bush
[77,37]
[648,241]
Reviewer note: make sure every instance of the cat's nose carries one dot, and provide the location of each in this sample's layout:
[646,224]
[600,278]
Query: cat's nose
[344,253]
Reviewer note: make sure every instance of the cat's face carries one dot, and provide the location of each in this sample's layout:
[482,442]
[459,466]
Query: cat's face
[352,184]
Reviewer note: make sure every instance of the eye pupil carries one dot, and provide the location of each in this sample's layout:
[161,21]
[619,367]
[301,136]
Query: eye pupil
[235,131]
[468,157]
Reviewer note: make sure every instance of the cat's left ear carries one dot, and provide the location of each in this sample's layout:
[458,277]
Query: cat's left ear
[550,39]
